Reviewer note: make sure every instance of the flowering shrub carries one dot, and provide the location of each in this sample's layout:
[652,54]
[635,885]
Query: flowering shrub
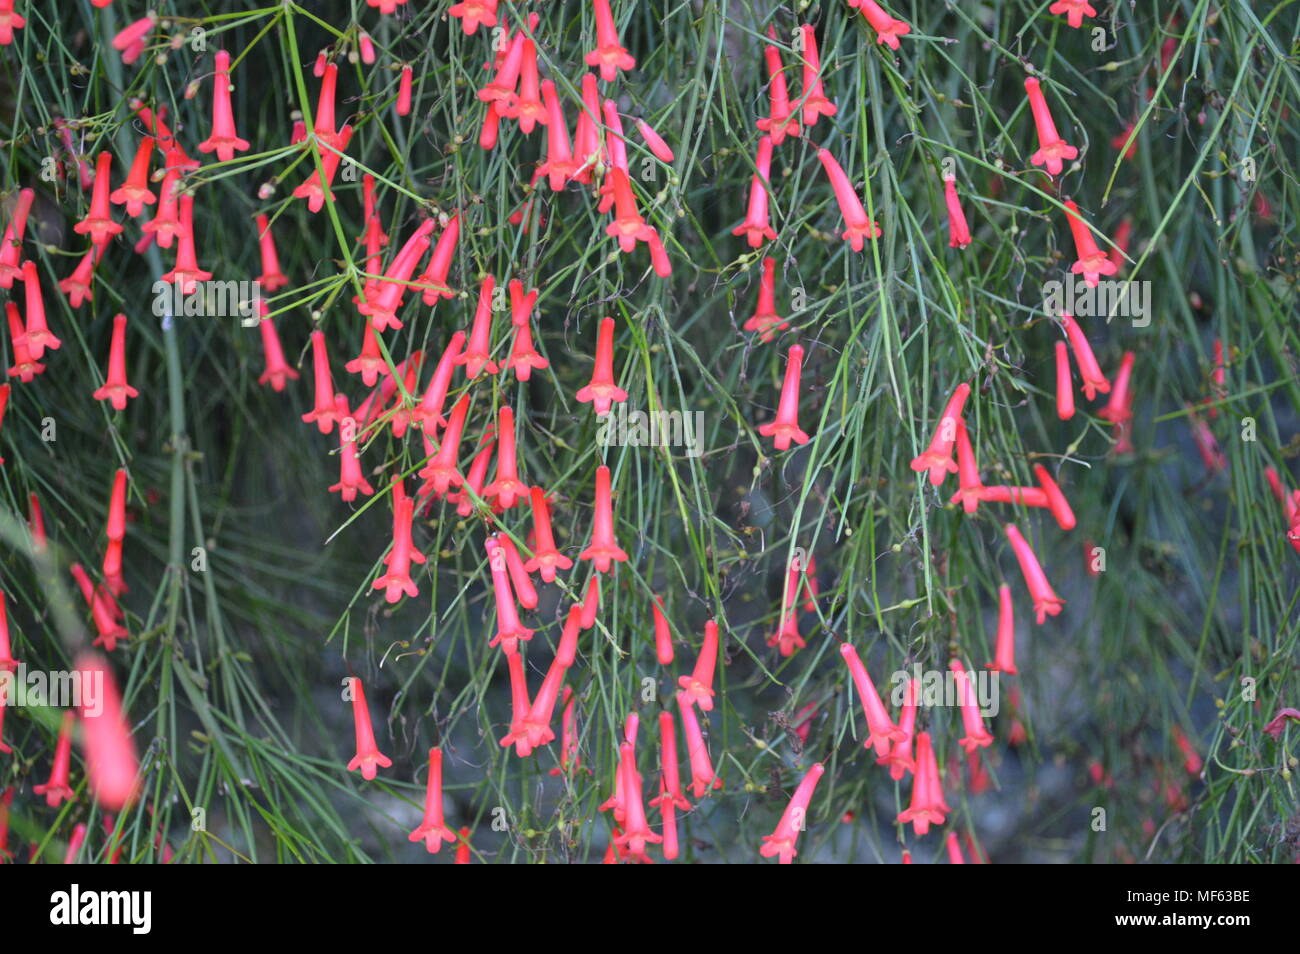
[322,313]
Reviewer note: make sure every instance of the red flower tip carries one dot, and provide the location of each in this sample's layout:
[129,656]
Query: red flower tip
[1092,262]
[224,140]
[135,193]
[1064,383]
[368,758]
[785,428]
[473,13]
[927,806]
[278,371]
[397,580]
[1046,602]
[1074,10]
[609,56]
[654,141]
[977,736]
[11,247]
[477,356]
[98,223]
[546,556]
[781,120]
[887,28]
[765,319]
[703,777]
[58,787]
[958,230]
[433,831]
[937,458]
[1004,650]
[1052,149]
[815,103]
[351,479]
[112,767]
[602,392]
[782,841]
[1089,370]
[756,227]
[507,488]
[857,226]
[698,686]
[115,389]
[604,549]
[881,731]
[509,630]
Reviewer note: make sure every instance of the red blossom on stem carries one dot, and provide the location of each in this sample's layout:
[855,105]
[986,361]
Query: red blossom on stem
[703,777]
[509,630]
[1089,370]
[112,766]
[11,247]
[927,806]
[115,388]
[546,556]
[1074,10]
[793,820]
[765,319]
[958,230]
[857,226]
[698,686]
[888,29]
[433,830]
[815,103]
[368,758]
[1052,149]
[977,736]
[881,731]
[135,193]
[781,120]
[604,550]
[1092,262]
[937,457]
[602,392]
[609,56]
[506,486]
[224,141]
[785,427]
[1046,602]
[59,785]
[756,227]
[1004,652]
[98,223]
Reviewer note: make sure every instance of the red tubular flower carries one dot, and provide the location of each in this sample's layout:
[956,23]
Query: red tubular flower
[36,523]
[881,730]
[98,223]
[403,106]
[112,767]
[368,758]
[654,141]
[442,471]
[977,736]
[521,303]
[509,630]
[1092,262]
[74,844]
[104,610]
[526,106]
[323,412]
[519,578]
[604,549]
[781,120]
[591,603]
[115,528]
[112,568]
[1052,149]
[351,478]
[166,223]
[609,56]
[25,366]
[1046,602]
[670,796]
[7,661]
[500,89]
[115,388]
[1206,443]
[703,776]
[370,363]
[636,834]
[857,226]
[756,227]
[1064,383]
[477,475]
[1123,236]
[1055,500]
[187,272]
[1119,409]
[462,847]
[569,758]
[434,278]
[586,137]
[765,319]
[477,355]
[782,841]
[11,248]
[546,556]
[135,193]
[519,707]
[937,458]
[616,148]
[1117,142]
[810,583]
[271,277]
[472,13]
[954,849]
[58,787]
[523,356]
[224,140]
[1022,496]
[1191,759]
[130,41]
[79,285]
[659,260]
[927,806]
[316,188]
[899,758]
[1074,10]
[663,635]
[888,29]
[785,427]
[1004,654]
[277,370]
[787,638]
[428,414]
[958,230]
[628,225]
[367,47]
[602,392]
[815,103]
[698,686]
[433,831]
[399,559]
[560,164]
[1089,370]
[381,305]
[971,491]
[9,21]
[508,489]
